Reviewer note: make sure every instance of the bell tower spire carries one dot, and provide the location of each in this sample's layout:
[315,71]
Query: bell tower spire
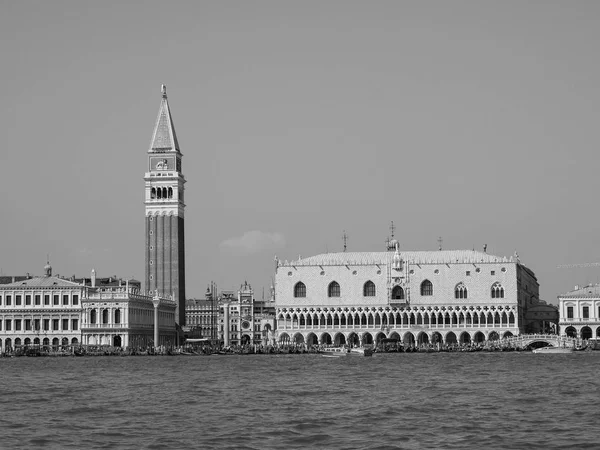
[164,137]
[165,212]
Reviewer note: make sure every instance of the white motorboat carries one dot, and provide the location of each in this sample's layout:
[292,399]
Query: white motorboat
[345,351]
[361,351]
[335,352]
[552,350]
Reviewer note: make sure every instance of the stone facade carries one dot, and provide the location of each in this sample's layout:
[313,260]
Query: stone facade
[201,317]
[580,312]
[244,319]
[423,297]
[40,311]
[122,316]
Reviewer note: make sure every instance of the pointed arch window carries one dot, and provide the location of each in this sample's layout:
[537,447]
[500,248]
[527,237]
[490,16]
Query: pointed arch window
[398,293]
[497,291]
[426,288]
[300,290]
[334,289]
[369,289]
[460,291]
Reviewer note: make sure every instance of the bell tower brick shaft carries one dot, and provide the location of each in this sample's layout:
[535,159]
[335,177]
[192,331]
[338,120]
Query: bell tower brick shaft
[164,203]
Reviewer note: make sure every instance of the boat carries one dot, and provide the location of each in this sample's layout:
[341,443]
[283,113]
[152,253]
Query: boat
[336,352]
[553,350]
[361,351]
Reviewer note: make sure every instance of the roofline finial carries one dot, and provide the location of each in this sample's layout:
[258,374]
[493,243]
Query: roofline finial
[163,90]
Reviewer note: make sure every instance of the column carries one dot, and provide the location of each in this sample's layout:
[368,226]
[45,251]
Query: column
[156,302]
[226,324]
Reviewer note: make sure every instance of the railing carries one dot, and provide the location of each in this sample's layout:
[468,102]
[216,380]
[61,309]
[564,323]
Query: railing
[522,338]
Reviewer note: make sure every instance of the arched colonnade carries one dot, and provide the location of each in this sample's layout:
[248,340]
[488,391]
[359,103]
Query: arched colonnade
[430,317]
[409,338]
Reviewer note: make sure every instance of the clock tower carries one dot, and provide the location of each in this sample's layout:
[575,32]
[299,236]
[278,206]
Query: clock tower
[164,201]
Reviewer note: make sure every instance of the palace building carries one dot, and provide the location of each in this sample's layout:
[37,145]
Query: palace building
[116,313]
[416,297]
[580,312]
[40,311]
[164,201]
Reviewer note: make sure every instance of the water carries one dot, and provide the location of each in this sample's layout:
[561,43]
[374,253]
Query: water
[401,401]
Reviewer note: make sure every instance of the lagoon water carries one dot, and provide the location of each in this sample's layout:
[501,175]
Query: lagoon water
[402,401]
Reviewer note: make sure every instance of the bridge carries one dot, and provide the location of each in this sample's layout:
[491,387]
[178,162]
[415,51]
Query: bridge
[525,340]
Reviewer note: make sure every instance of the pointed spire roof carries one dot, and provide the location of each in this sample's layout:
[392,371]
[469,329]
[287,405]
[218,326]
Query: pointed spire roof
[164,137]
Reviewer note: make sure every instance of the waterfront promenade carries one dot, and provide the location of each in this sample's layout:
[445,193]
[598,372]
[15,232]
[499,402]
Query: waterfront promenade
[517,343]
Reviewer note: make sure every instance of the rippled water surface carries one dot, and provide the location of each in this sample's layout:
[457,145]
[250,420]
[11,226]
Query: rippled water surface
[404,401]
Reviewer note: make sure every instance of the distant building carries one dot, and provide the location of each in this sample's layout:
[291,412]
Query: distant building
[6,279]
[117,313]
[202,317]
[580,312]
[44,311]
[416,297]
[246,320]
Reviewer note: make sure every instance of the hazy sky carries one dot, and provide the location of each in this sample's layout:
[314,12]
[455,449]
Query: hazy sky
[474,121]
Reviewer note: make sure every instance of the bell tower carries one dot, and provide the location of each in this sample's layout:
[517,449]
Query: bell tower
[164,201]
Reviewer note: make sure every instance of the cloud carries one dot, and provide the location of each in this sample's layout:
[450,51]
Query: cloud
[254,241]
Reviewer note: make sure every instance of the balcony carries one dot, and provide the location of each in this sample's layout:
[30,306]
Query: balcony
[88,326]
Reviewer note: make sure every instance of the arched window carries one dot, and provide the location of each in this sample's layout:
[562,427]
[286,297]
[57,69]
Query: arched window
[159,193]
[93,316]
[460,291]
[118,316]
[497,291]
[334,289]
[153,193]
[369,289]
[170,192]
[164,192]
[426,288]
[398,293]
[300,289]
[105,316]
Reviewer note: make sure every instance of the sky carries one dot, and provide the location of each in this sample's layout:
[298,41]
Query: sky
[473,121]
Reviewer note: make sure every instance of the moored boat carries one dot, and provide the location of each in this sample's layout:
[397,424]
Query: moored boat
[335,352]
[552,350]
[361,351]
[345,351]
